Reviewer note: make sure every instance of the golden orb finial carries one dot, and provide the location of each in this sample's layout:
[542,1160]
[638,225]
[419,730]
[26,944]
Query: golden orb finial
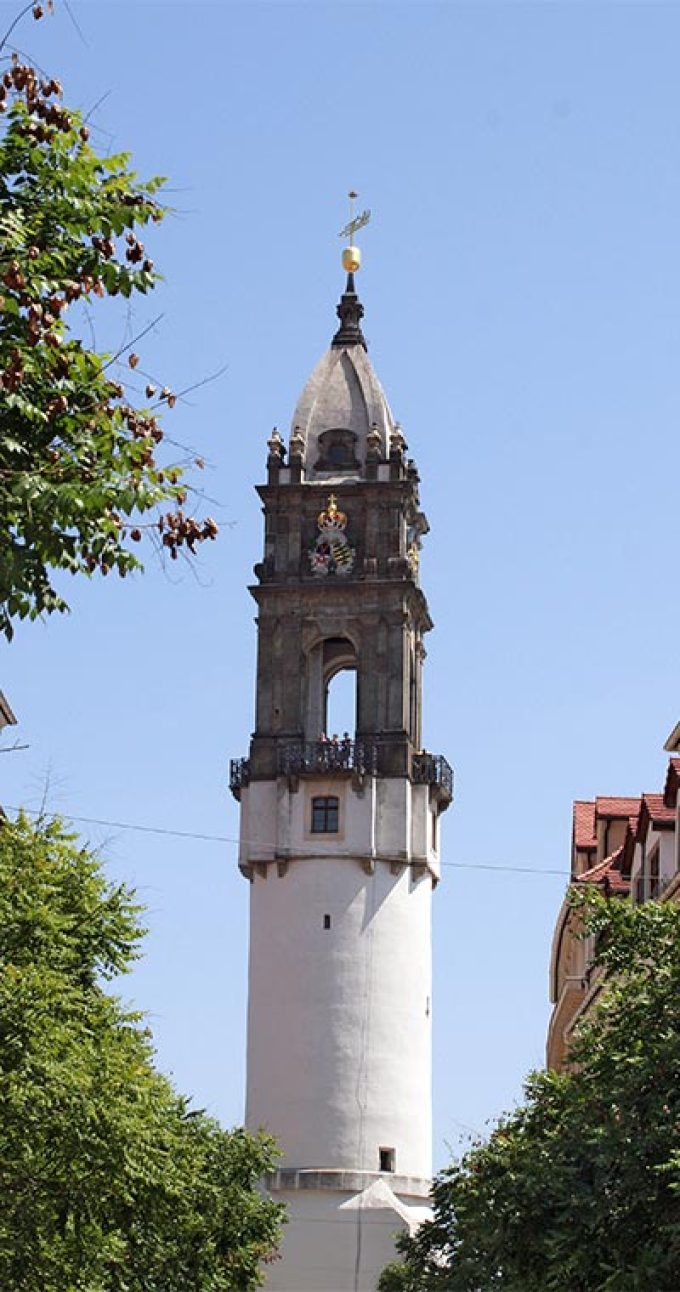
[351,256]
[351,259]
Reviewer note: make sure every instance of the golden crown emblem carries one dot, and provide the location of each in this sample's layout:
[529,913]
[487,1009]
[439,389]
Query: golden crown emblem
[330,517]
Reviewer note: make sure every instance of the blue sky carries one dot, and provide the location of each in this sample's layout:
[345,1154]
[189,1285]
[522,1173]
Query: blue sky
[522,305]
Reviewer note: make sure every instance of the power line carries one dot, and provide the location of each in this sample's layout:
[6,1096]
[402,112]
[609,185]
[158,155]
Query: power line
[301,852]
[128,825]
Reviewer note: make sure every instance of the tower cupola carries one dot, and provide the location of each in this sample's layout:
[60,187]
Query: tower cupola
[342,423]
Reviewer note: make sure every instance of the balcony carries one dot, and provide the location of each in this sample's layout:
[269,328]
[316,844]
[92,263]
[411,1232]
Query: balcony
[360,757]
[433,769]
[239,775]
[318,757]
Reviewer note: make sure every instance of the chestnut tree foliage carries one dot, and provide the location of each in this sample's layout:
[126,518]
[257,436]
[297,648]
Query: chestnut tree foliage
[579,1189]
[78,457]
[109,1181]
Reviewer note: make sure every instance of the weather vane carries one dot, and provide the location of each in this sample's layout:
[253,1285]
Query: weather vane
[351,256]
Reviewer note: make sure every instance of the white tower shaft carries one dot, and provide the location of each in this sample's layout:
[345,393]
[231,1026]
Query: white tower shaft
[339,1017]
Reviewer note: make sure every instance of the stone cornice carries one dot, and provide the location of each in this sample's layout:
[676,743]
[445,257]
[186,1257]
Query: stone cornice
[287,1179]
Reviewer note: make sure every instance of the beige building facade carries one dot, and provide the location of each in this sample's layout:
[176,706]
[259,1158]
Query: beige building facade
[629,848]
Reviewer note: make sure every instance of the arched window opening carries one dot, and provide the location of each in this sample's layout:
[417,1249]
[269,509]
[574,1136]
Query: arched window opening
[331,689]
[337,451]
[340,687]
[341,704]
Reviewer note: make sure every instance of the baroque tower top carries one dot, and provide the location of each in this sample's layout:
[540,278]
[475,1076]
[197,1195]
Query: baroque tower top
[339,584]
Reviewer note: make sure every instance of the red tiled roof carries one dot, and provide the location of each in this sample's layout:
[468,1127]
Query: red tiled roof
[617,807]
[584,824]
[654,811]
[657,808]
[607,874]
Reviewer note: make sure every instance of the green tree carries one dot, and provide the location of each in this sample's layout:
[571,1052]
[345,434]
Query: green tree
[109,1181]
[78,458]
[580,1188]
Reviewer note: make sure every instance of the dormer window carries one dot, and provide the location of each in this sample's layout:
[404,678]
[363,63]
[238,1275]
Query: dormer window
[337,451]
[339,455]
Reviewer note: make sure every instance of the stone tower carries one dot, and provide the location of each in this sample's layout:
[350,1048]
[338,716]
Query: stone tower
[340,839]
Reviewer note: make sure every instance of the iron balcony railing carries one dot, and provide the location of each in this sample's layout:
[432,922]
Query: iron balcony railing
[433,769]
[363,757]
[299,757]
[239,775]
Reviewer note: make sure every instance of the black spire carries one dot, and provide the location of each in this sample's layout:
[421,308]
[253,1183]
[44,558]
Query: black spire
[350,311]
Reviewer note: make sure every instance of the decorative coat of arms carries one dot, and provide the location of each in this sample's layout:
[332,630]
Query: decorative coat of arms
[331,553]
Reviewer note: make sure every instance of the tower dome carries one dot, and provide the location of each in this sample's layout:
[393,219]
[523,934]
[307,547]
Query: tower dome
[342,416]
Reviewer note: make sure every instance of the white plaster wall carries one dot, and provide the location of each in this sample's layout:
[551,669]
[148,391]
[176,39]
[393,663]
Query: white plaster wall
[258,822]
[339,1019]
[385,818]
[393,817]
[330,1248]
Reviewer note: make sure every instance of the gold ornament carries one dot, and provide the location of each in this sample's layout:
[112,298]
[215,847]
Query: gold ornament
[331,516]
[351,256]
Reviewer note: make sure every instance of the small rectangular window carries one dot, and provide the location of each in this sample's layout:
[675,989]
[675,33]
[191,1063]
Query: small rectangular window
[325,815]
[387,1159]
[327,921]
[654,874]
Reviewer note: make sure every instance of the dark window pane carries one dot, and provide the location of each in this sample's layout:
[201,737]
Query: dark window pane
[318,815]
[325,815]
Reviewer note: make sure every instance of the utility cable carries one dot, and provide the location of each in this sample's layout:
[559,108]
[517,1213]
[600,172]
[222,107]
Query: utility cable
[232,839]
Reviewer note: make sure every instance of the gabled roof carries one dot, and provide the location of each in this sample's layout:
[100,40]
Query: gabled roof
[654,812]
[616,808]
[607,874]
